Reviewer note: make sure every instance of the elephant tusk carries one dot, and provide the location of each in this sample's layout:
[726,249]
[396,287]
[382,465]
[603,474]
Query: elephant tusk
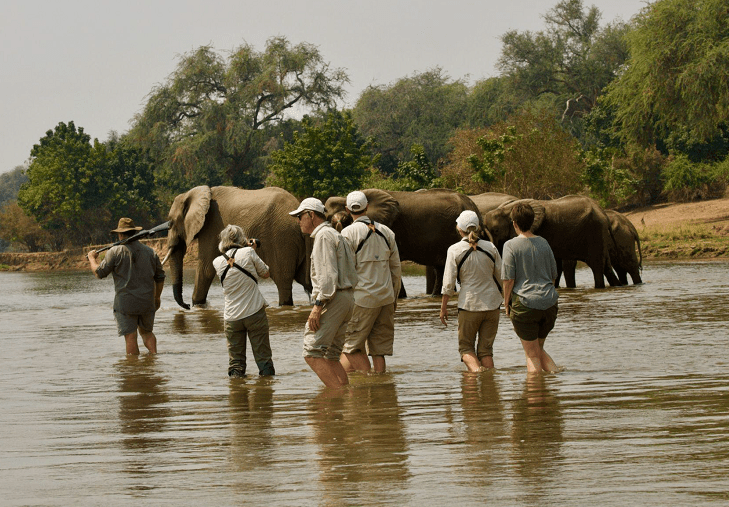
[167,257]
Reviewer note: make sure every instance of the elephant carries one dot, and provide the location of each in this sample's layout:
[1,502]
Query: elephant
[202,212]
[575,226]
[491,200]
[424,223]
[622,251]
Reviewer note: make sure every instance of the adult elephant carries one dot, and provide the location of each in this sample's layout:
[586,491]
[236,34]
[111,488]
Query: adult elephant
[424,222]
[489,201]
[623,256]
[203,212]
[575,227]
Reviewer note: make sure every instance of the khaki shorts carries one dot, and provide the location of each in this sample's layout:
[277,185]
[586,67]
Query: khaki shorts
[127,323]
[328,340]
[371,330]
[485,324]
[531,324]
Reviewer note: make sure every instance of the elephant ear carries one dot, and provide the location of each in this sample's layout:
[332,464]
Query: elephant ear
[536,206]
[188,211]
[381,206]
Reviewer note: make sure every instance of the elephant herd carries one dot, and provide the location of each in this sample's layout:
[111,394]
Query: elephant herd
[576,227]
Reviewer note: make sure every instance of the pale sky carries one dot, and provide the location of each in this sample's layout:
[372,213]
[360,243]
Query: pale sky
[93,62]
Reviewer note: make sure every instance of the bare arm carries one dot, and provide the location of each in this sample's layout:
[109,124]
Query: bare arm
[508,287]
[444,309]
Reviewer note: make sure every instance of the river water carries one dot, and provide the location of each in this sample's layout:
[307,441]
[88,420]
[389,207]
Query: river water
[639,416]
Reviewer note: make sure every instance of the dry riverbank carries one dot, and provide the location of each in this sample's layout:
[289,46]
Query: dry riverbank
[697,230]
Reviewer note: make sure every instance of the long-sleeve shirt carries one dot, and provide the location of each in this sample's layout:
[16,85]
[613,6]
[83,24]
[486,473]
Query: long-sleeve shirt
[378,265]
[242,295]
[332,263]
[479,291]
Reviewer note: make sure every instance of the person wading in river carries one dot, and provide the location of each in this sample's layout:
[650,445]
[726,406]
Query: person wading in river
[476,265]
[530,299]
[239,268]
[333,278]
[138,282]
[371,329]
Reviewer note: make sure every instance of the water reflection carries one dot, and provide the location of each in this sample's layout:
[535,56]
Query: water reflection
[143,404]
[361,442]
[200,320]
[536,435]
[251,414]
[484,424]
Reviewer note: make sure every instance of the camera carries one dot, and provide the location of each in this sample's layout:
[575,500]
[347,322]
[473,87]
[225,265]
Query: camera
[254,241]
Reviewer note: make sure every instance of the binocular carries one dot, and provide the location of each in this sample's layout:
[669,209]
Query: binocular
[255,241]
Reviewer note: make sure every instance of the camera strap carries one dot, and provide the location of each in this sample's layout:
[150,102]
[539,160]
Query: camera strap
[465,256]
[372,228]
[240,268]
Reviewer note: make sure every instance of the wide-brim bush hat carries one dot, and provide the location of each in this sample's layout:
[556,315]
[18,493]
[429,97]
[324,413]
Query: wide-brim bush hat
[126,225]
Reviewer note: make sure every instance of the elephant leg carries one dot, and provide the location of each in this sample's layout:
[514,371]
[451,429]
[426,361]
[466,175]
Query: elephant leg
[635,276]
[203,278]
[622,276]
[430,279]
[559,273]
[285,295]
[598,273]
[568,268]
[438,283]
[403,293]
[612,278]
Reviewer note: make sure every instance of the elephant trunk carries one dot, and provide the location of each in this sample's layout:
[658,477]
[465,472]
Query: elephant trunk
[176,261]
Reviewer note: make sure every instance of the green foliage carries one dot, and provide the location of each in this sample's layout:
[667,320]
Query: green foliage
[677,76]
[10,183]
[424,109]
[529,156]
[489,166]
[611,186]
[417,172]
[77,190]
[568,63]
[204,125]
[492,100]
[685,180]
[324,159]
[19,229]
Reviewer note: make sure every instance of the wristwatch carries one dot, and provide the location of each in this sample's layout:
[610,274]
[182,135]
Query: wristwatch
[319,303]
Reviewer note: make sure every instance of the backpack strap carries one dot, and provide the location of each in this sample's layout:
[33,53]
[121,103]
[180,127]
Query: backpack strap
[372,228]
[465,256]
[240,268]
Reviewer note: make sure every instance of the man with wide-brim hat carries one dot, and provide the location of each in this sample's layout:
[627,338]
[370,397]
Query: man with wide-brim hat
[138,282]
[333,278]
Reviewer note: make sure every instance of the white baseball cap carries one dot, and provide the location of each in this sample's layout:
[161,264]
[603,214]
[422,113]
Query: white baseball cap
[356,201]
[467,219]
[308,204]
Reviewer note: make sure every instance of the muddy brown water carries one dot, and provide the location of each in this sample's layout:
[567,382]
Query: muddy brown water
[639,416]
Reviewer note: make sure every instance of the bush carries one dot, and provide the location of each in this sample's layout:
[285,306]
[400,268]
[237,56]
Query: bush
[685,181]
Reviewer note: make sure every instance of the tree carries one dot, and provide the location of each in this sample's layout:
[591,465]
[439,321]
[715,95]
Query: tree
[10,183]
[203,125]
[569,63]
[17,227]
[416,173]
[67,185]
[326,158]
[424,109]
[530,155]
[677,76]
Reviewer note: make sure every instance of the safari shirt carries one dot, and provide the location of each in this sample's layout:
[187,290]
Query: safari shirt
[479,291]
[332,263]
[378,266]
[242,295]
[135,269]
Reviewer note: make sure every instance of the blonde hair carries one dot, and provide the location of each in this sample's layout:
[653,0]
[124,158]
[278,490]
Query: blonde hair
[340,220]
[232,236]
[472,234]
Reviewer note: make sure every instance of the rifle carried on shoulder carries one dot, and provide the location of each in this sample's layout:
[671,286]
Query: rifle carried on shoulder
[140,235]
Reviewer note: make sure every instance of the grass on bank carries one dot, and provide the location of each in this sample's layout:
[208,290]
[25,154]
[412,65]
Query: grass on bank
[686,240]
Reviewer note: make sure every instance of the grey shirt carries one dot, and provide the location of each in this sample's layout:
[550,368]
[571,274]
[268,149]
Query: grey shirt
[135,269]
[530,263]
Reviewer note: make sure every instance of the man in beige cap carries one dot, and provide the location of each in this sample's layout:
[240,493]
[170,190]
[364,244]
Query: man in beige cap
[371,329]
[138,281]
[333,278]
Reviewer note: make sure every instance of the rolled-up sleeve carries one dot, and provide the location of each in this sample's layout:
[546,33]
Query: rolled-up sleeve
[449,274]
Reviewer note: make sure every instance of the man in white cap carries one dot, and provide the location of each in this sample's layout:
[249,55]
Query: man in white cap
[333,278]
[138,282]
[371,331]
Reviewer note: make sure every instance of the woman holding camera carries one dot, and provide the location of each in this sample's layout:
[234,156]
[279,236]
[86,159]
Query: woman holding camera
[240,269]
